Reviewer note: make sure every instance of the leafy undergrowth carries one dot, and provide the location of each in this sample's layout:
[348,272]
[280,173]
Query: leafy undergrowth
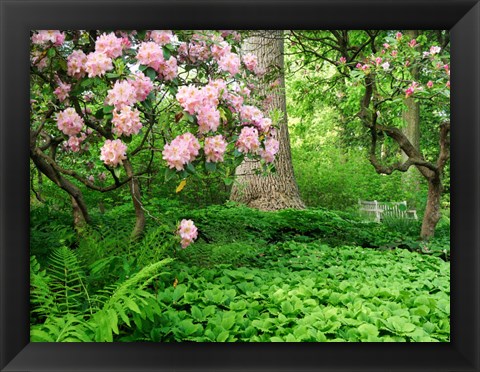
[306,292]
[252,276]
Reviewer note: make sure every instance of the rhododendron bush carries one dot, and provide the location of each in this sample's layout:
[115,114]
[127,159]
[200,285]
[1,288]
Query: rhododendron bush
[109,106]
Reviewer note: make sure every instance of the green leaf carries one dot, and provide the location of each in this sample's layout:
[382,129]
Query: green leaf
[368,330]
[107,109]
[197,313]
[112,75]
[191,168]
[151,73]
[222,337]
[51,52]
[210,167]
[228,181]
[170,174]
[132,305]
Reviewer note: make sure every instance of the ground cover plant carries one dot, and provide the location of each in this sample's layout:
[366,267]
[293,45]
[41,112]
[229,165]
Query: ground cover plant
[203,186]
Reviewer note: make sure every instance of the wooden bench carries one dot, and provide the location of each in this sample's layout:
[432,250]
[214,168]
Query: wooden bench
[379,210]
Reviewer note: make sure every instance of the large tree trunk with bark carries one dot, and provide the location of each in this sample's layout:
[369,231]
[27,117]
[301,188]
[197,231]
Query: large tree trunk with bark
[137,201]
[411,116]
[432,211]
[278,190]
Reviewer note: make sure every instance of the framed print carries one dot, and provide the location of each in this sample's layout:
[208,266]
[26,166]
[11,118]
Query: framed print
[219,279]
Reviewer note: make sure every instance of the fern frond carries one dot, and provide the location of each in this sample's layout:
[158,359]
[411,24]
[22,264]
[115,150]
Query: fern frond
[69,328]
[42,298]
[68,281]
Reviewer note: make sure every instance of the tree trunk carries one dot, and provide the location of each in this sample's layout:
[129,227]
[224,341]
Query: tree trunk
[411,116]
[137,201]
[432,210]
[80,211]
[278,190]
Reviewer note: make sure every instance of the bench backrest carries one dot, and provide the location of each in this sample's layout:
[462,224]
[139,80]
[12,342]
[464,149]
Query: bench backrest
[378,210]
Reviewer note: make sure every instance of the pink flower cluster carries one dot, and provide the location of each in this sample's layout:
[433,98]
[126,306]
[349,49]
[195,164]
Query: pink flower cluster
[271,148]
[48,36]
[76,63]
[62,91]
[188,232]
[122,94]
[248,141]
[142,85]
[162,37]
[250,61]
[215,148]
[181,151]
[126,121]
[98,64]
[110,45]
[151,54]
[113,152]
[411,89]
[230,63]
[69,122]
[74,143]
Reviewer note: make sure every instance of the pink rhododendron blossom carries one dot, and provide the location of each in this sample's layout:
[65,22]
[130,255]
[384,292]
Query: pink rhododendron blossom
[220,48]
[69,122]
[215,148]
[250,60]
[435,50]
[190,98]
[378,61]
[412,43]
[411,89]
[358,65]
[162,37]
[74,143]
[150,54]
[98,64]
[271,148]
[102,177]
[113,152]
[188,232]
[394,53]
[76,64]
[45,36]
[126,121]
[386,66]
[181,151]
[398,35]
[235,101]
[430,84]
[198,49]
[208,118]
[251,114]
[142,85]
[91,178]
[109,44]
[230,63]
[264,125]
[221,86]
[386,45]
[62,91]
[343,60]
[448,84]
[168,69]
[122,94]
[248,141]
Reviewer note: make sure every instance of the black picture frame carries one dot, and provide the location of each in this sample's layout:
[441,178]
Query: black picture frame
[18,17]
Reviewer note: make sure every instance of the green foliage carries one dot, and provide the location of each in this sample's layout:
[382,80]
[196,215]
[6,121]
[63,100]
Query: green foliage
[306,292]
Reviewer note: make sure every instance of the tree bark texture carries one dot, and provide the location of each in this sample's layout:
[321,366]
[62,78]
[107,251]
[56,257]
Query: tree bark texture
[278,190]
[411,116]
[136,199]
